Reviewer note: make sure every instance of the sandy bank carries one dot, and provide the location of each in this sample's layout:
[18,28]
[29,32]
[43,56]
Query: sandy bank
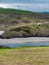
[24,40]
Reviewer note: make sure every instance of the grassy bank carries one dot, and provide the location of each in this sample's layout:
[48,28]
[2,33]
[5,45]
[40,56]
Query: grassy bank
[25,56]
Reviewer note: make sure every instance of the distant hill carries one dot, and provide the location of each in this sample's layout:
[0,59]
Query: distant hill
[45,12]
[20,23]
[14,11]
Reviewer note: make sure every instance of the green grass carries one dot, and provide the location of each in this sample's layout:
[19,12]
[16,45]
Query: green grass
[25,56]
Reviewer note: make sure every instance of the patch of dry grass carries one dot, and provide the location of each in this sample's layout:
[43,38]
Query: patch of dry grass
[25,56]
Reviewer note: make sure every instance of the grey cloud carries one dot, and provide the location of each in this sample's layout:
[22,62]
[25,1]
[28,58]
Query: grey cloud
[30,7]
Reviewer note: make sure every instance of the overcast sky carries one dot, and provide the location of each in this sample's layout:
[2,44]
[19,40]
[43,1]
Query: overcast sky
[31,5]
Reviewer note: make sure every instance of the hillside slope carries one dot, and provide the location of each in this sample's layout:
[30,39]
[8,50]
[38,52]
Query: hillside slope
[19,23]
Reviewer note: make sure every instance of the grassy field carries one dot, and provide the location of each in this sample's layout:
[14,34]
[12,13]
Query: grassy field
[25,56]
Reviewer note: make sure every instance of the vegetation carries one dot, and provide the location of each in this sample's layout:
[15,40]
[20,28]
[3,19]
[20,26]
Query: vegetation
[25,56]
[27,31]
[4,47]
[14,11]
[19,23]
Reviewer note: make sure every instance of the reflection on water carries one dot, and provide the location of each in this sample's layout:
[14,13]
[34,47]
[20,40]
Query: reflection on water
[27,44]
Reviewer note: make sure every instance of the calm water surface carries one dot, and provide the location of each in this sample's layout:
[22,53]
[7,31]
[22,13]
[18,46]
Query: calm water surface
[13,45]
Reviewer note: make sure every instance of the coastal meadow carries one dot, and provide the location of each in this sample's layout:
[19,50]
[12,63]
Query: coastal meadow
[25,56]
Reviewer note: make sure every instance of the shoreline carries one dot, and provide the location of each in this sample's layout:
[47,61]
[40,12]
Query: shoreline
[24,40]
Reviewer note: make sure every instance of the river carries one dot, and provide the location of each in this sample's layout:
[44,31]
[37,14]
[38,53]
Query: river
[31,41]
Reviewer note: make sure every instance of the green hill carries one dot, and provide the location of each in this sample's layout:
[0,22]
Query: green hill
[14,11]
